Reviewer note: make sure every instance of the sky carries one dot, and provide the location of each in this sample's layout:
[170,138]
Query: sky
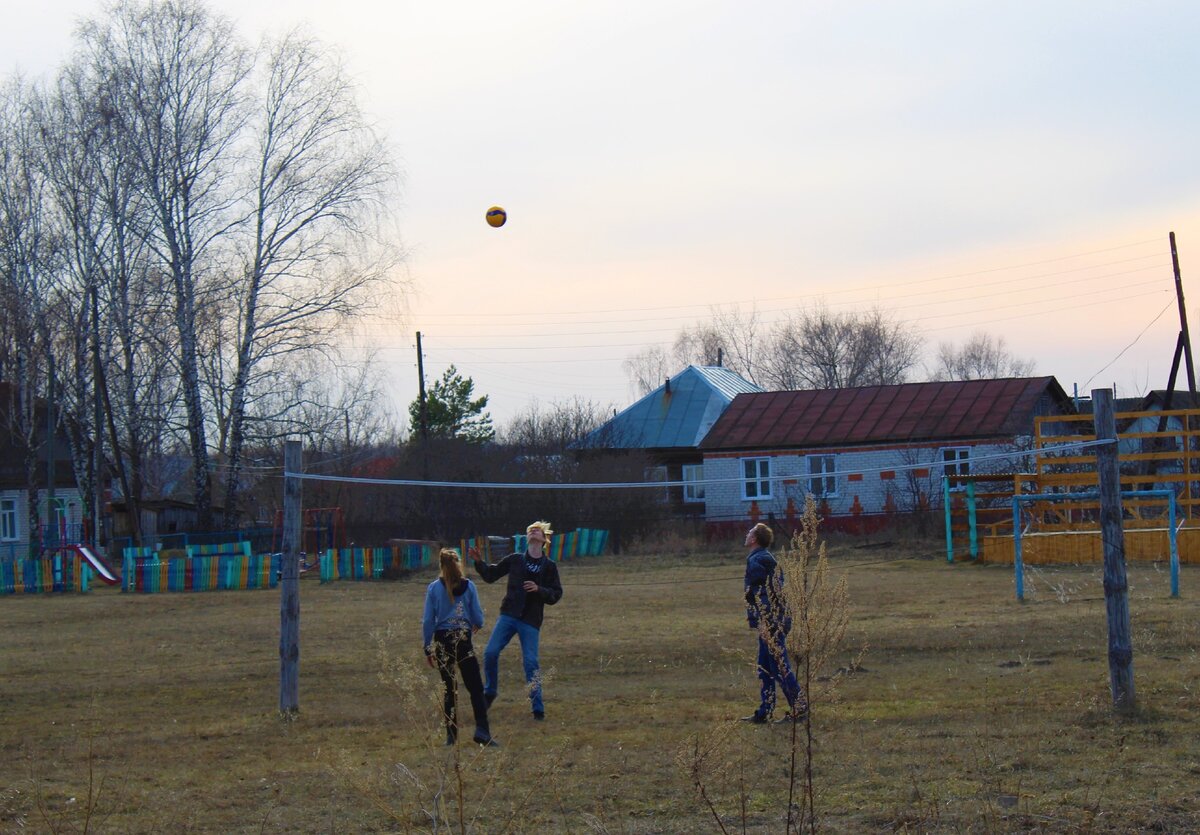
[1014,168]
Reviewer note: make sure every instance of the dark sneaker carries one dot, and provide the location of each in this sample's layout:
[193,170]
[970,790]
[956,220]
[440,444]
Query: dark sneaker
[486,742]
[490,697]
[451,737]
[755,718]
[539,715]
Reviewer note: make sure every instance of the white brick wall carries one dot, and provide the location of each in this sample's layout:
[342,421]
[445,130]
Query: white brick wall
[861,473]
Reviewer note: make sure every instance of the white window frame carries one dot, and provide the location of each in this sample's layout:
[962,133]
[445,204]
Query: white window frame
[956,460]
[693,473]
[658,474]
[757,485]
[10,525]
[822,482]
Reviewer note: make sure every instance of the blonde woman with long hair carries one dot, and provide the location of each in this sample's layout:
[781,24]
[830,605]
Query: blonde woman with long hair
[452,614]
[532,585]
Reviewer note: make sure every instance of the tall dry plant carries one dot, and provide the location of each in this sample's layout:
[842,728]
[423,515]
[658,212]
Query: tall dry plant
[817,605]
[430,793]
[441,788]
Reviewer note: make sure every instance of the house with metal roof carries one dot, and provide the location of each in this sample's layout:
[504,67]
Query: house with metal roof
[866,454]
[669,423]
[55,513]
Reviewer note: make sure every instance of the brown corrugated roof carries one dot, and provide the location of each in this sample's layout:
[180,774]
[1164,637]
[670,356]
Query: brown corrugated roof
[886,414]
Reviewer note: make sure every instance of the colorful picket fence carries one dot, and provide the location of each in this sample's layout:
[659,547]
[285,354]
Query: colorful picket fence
[375,563]
[204,568]
[60,573]
[584,542]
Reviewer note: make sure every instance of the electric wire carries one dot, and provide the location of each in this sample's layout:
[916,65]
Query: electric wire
[511,485]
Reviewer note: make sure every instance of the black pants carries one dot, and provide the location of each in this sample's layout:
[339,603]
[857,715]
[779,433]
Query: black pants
[452,648]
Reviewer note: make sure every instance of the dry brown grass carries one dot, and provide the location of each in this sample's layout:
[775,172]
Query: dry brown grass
[972,713]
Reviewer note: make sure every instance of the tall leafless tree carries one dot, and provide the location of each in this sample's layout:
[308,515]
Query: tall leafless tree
[818,348]
[981,357]
[181,76]
[729,338]
[552,428]
[319,179]
[27,253]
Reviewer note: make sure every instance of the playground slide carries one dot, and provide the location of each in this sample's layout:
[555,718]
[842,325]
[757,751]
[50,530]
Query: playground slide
[97,562]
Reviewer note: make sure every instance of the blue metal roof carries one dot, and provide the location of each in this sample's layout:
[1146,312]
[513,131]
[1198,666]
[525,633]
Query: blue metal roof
[676,418]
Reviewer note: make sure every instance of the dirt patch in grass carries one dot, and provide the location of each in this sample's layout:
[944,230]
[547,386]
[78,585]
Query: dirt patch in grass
[968,712]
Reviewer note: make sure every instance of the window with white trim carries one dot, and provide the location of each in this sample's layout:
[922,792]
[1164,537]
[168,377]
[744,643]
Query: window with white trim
[8,520]
[756,475]
[822,478]
[693,492]
[956,461]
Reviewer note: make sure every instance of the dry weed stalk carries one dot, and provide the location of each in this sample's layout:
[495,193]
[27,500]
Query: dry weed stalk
[431,796]
[78,817]
[818,606]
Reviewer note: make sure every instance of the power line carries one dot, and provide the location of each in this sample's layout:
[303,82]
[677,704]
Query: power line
[1130,345]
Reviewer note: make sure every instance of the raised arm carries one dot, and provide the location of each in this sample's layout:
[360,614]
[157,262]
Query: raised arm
[489,572]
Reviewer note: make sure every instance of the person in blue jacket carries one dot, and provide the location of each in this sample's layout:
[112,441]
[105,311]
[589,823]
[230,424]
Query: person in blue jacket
[452,614]
[767,613]
[533,584]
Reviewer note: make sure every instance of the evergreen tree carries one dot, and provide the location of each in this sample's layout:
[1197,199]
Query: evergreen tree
[450,411]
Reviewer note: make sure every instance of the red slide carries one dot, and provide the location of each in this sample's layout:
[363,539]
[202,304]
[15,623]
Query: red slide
[97,562]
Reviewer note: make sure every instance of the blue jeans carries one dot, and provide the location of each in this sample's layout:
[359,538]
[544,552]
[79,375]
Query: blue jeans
[503,632]
[772,670]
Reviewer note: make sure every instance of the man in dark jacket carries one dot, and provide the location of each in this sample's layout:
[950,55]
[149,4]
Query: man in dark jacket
[532,585]
[767,612]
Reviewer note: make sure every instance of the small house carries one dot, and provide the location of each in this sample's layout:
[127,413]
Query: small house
[866,454]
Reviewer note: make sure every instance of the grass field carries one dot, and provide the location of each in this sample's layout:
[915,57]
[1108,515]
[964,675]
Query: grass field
[969,711]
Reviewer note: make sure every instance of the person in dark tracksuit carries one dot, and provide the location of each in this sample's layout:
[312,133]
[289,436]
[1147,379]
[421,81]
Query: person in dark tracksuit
[766,612]
[533,584]
[452,613]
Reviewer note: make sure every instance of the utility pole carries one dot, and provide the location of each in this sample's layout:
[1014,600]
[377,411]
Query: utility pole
[1184,337]
[1183,348]
[421,413]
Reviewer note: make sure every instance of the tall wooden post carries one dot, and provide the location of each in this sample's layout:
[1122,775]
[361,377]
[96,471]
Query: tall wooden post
[289,599]
[1185,338]
[1112,535]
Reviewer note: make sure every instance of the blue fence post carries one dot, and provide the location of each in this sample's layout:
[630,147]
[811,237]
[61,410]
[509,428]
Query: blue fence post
[949,523]
[1017,567]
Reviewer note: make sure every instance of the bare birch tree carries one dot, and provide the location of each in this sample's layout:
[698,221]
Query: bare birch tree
[181,72]
[26,253]
[320,177]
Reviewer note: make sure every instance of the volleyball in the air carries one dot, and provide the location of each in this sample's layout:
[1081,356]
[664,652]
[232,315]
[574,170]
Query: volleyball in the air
[496,216]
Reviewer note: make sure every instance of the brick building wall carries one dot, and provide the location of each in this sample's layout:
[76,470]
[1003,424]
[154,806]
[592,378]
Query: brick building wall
[867,482]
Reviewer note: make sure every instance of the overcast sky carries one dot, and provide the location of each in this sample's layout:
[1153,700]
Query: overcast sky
[1008,167]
